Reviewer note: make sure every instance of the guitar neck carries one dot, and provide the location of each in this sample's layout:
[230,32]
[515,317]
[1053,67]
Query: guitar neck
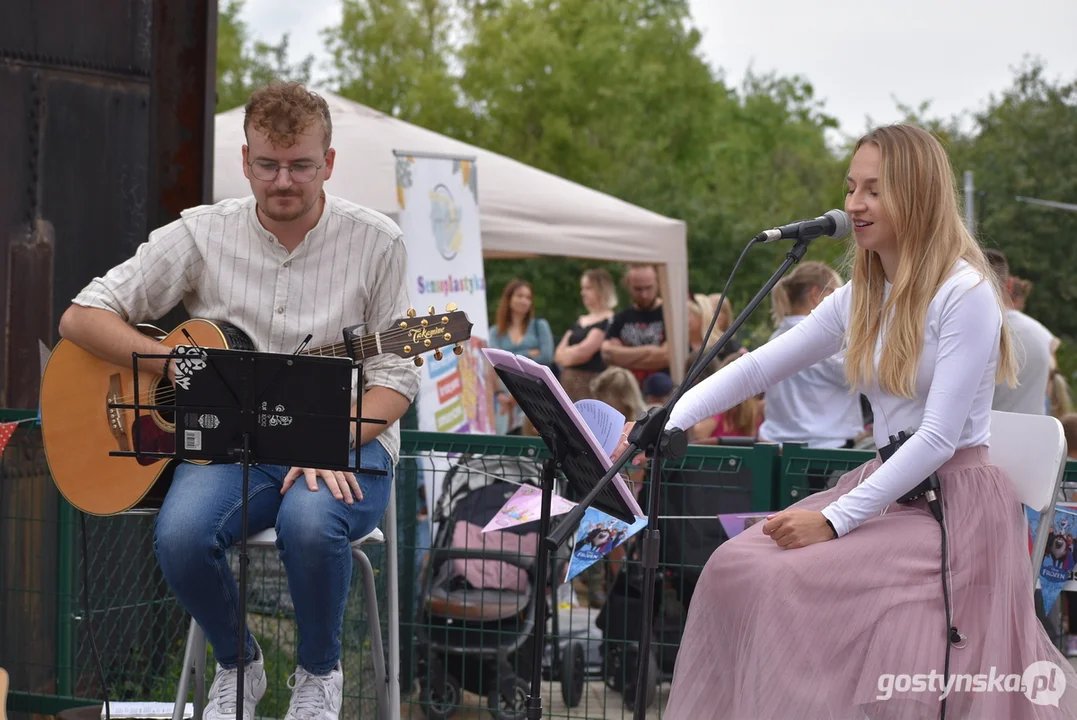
[366,346]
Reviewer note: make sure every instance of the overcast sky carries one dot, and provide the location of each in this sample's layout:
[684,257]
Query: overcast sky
[857,55]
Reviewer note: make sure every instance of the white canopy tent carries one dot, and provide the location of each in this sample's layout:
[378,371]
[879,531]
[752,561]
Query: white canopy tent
[524,212]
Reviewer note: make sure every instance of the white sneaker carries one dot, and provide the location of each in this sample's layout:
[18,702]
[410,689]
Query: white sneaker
[222,693]
[316,697]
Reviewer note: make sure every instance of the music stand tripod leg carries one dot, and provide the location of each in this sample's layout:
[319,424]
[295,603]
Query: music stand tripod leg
[243,561]
[552,465]
[649,562]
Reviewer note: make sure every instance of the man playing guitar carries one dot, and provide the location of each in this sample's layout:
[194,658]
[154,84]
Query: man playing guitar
[287,262]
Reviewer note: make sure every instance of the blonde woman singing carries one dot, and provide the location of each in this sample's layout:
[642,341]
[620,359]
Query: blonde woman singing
[818,611]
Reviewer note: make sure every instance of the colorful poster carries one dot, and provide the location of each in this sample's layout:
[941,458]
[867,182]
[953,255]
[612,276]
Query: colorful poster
[526,506]
[1058,557]
[439,214]
[597,535]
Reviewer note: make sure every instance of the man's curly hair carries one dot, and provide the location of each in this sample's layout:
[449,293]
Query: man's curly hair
[284,111]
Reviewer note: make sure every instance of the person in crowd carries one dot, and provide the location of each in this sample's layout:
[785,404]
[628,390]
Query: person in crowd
[1059,399]
[743,420]
[725,320]
[579,354]
[1020,291]
[518,331]
[814,406]
[617,387]
[636,338]
[854,572]
[1034,348]
[657,389]
[700,313]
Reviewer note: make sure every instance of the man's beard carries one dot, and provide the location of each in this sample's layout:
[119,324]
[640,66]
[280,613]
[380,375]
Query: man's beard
[286,215]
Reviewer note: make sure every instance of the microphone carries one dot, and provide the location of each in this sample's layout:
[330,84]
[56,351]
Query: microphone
[834,224]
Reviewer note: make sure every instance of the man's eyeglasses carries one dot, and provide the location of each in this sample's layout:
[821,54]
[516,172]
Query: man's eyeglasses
[300,172]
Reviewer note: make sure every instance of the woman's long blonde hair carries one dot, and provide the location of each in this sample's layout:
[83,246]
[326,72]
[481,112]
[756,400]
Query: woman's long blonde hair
[918,194]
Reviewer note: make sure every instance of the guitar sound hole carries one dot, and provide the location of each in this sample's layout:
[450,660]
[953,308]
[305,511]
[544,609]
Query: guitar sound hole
[149,437]
[164,394]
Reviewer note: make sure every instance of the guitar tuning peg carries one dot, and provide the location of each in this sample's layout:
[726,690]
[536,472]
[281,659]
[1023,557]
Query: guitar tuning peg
[438,355]
[458,349]
[430,310]
[419,361]
[411,312]
[451,307]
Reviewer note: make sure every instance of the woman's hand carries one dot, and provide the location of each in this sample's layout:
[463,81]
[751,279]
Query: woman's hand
[622,444]
[797,528]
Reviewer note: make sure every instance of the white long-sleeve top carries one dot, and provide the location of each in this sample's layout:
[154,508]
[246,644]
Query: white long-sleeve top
[954,387]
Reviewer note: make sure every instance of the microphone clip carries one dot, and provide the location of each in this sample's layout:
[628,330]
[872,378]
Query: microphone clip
[930,488]
[649,432]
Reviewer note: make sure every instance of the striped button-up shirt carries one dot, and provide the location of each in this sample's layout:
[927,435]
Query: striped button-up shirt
[222,264]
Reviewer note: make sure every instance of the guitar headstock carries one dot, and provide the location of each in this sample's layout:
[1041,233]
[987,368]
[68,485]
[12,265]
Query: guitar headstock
[414,335]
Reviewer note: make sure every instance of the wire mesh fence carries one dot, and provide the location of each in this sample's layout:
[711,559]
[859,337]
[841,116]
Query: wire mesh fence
[475,608]
[64,574]
[467,605]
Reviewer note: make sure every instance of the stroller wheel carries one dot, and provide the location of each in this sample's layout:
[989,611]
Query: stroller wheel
[632,694]
[572,673]
[440,696]
[508,700]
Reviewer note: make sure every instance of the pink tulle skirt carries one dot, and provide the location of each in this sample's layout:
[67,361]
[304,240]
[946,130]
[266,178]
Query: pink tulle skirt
[855,627]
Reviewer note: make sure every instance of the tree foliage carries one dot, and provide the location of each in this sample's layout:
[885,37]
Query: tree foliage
[615,94]
[244,63]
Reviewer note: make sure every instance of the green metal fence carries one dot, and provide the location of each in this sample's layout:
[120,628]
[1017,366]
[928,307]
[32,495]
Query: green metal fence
[588,668]
[805,471]
[449,662]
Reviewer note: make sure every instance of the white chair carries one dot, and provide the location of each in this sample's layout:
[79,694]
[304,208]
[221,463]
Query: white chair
[1032,451]
[386,683]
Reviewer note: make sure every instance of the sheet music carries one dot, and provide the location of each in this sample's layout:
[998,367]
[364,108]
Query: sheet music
[605,422]
[528,367]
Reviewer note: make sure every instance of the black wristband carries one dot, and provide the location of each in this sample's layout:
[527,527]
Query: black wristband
[830,525]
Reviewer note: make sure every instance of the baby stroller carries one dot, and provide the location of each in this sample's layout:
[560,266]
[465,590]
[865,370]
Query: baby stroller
[477,612]
[686,545]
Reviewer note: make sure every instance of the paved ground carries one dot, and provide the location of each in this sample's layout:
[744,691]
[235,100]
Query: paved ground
[599,703]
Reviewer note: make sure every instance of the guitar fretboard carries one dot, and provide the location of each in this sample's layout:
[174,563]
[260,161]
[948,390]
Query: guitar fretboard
[365,346]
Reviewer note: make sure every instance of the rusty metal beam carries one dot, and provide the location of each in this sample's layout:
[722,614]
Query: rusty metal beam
[182,107]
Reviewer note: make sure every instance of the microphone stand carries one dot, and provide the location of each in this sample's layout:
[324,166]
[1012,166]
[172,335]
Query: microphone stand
[649,434]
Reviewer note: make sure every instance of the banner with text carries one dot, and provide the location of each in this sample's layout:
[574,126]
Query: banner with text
[439,214]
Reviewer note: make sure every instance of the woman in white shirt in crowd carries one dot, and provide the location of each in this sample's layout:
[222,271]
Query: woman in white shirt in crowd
[827,608]
[814,406]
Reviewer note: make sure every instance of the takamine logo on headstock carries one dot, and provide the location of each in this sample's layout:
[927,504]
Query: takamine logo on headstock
[412,336]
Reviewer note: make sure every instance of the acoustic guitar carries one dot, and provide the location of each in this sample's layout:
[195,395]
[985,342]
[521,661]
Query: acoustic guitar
[79,428]
[3,694]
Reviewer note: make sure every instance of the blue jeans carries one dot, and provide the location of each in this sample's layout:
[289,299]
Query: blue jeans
[201,518]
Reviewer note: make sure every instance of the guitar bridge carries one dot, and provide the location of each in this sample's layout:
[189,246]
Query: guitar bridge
[115,415]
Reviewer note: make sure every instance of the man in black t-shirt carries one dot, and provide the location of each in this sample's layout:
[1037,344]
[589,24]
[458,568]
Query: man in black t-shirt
[636,338]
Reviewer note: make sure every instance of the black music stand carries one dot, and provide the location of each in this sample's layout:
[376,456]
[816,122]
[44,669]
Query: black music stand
[256,407]
[575,451]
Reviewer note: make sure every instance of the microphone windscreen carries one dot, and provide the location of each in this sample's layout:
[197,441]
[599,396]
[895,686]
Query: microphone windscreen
[842,224]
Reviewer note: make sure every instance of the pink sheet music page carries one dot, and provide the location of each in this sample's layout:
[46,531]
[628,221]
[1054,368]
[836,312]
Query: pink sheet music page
[526,366]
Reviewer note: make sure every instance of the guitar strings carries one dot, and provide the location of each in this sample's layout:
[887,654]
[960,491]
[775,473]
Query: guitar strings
[165,394]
